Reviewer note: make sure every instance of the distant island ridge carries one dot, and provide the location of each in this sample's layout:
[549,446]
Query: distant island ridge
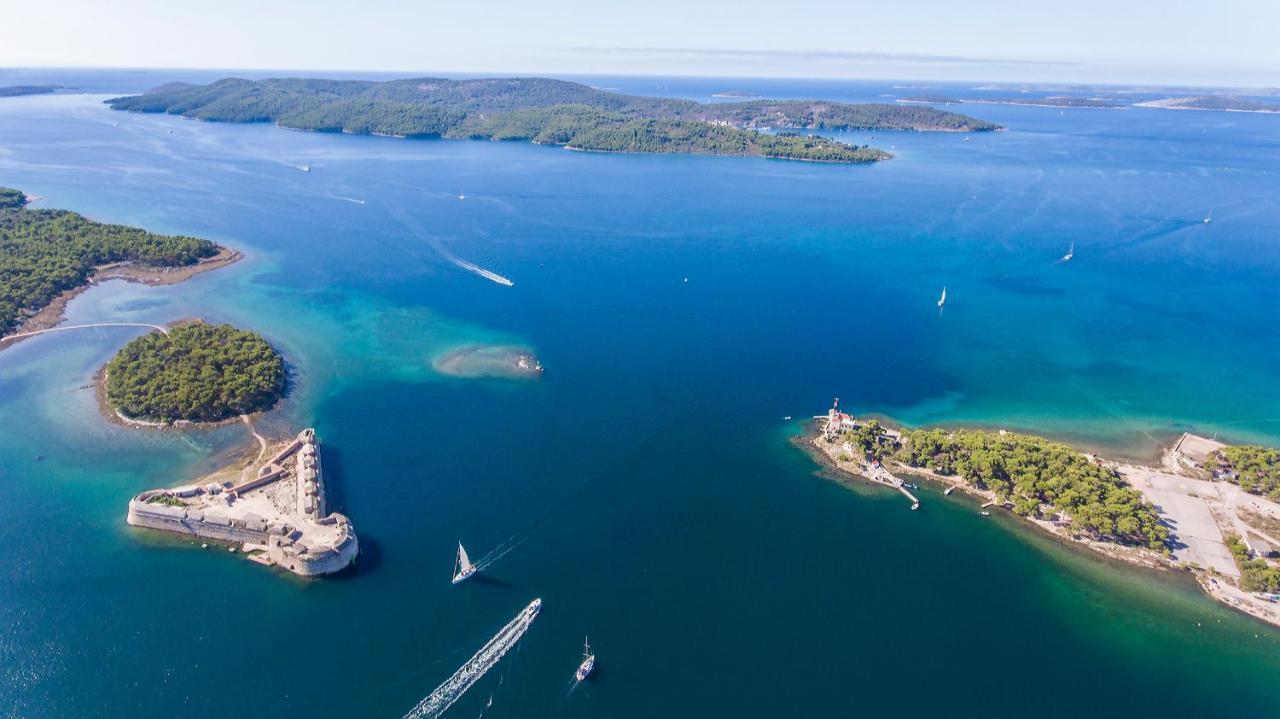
[546,111]
[20,90]
[1054,101]
[1224,103]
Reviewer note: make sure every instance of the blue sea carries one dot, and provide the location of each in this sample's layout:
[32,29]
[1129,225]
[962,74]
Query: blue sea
[646,484]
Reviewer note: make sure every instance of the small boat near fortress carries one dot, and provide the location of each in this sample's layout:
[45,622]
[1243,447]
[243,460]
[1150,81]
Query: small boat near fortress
[463,568]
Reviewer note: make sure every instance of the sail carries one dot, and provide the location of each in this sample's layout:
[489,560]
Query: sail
[464,562]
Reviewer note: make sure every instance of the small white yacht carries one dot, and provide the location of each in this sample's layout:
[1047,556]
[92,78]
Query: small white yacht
[588,661]
[943,299]
[1070,253]
[463,568]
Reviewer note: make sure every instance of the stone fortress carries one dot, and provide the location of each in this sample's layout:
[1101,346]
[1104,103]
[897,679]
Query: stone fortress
[277,514]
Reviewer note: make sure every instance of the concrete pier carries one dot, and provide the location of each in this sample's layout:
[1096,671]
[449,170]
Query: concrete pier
[277,515]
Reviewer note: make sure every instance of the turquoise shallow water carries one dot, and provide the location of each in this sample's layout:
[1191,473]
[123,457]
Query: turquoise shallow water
[647,478]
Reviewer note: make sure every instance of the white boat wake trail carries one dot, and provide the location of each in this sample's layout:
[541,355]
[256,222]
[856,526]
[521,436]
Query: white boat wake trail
[438,701]
[445,253]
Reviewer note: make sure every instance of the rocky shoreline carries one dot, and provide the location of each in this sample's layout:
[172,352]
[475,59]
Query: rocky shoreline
[52,314]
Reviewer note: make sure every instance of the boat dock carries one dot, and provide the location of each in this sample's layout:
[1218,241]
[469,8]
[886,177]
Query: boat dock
[877,473]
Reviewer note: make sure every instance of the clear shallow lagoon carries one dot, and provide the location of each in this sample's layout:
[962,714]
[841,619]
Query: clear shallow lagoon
[647,476]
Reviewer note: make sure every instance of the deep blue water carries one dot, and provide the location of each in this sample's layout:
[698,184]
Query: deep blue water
[647,477]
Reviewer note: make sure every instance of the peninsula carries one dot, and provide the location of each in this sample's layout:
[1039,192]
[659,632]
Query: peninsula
[273,512]
[193,373]
[552,112]
[1207,508]
[48,256]
[20,90]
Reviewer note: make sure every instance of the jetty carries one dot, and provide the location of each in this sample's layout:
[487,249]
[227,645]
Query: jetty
[275,514]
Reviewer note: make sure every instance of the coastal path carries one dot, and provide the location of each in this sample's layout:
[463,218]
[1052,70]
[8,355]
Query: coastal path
[23,335]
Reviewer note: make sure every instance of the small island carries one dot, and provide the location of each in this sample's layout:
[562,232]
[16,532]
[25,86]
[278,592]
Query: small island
[1207,508]
[20,90]
[550,112]
[49,256]
[194,373]
[272,512]
[1223,103]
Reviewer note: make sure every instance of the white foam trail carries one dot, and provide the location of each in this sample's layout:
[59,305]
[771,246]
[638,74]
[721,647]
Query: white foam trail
[347,199]
[445,253]
[491,276]
[438,701]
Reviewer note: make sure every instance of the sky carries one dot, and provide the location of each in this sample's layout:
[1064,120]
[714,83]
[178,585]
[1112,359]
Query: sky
[1170,42]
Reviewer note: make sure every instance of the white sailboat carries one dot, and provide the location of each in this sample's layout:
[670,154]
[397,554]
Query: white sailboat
[943,299]
[463,568]
[1070,253]
[588,661]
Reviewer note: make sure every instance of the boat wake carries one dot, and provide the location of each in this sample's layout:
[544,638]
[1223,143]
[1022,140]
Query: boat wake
[438,701]
[472,267]
[444,252]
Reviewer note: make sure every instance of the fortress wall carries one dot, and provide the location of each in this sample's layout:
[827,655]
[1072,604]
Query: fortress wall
[317,565]
[175,519]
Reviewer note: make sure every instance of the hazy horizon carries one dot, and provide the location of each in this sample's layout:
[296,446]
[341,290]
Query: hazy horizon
[1092,42]
[256,73]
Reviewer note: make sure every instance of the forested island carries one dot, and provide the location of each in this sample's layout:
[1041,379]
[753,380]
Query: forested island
[197,373]
[19,90]
[1212,102]
[546,111]
[45,253]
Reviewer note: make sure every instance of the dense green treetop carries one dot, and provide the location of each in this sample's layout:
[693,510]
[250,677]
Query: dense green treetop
[1038,476]
[1256,575]
[11,199]
[1256,469]
[198,372]
[546,111]
[44,252]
